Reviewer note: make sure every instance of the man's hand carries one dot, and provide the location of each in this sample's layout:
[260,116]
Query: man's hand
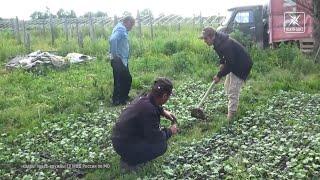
[216,79]
[170,116]
[174,129]
[221,66]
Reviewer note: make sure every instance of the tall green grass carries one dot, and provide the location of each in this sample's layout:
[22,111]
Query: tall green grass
[9,47]
[27,98]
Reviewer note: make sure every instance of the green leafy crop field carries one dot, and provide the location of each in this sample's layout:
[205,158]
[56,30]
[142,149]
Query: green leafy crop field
[50,118]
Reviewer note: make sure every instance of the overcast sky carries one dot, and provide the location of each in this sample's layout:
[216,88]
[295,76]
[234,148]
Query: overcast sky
[24,8]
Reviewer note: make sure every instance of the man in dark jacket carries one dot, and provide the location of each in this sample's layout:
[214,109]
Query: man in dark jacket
[137,136]
[235,64]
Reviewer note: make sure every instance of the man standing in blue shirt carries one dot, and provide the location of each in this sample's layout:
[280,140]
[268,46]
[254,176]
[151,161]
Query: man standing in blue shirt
[119,52]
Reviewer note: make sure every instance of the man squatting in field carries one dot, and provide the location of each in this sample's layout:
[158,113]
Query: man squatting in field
[136,136]
[235,64]
[119,54]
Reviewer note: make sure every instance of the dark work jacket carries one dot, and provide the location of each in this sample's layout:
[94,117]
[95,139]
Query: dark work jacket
[140,122]
[233,55]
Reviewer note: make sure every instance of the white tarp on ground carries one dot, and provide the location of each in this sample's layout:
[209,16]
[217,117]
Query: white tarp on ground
[36,58]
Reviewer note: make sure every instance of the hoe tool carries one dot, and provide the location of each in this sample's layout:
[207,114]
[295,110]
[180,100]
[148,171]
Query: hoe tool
[197,112]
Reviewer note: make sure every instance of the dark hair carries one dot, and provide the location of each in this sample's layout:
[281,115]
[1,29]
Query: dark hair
[162,86]
[128,19]
[208,32]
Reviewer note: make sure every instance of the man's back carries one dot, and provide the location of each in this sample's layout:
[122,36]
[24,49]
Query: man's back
[137,122]
[233,54]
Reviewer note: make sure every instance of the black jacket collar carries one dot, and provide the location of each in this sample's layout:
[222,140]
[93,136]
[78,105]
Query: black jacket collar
[219,39]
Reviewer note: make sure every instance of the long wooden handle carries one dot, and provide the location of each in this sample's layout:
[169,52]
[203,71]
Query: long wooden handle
[205,95]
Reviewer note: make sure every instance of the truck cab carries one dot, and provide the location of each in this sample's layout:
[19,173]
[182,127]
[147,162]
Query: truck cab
[251,20]
[272,24]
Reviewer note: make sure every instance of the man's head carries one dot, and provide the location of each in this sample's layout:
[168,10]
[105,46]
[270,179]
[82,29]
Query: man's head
[128,22]
[162,89]
[208,34]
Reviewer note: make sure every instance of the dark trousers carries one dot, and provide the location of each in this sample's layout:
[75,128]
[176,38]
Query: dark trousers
[142,152]
[122,81]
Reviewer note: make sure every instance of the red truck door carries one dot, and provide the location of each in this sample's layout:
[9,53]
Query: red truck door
[289,21]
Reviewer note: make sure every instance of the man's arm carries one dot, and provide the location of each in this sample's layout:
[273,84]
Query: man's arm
[224,70]
[151,128]
[225,61]
[170,116]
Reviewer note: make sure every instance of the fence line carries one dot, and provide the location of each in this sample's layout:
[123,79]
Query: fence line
[23,28]
[108,21]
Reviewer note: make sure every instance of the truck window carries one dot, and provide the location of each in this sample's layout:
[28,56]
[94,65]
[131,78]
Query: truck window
[226,20]
[244,17]
[289,3]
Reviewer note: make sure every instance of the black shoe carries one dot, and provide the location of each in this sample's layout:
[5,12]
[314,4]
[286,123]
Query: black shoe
[128,98]
[115,103]
[119,103]
[125,167]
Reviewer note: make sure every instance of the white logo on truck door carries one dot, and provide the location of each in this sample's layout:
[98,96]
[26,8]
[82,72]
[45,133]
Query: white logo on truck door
[294,22]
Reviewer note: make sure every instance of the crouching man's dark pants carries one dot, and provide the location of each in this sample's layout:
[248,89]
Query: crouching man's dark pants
[122,81]
[142,152]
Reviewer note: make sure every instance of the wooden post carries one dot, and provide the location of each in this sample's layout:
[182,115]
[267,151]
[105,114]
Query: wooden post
[79,35]
[72,30]
[139,32]
[104,27]
[201,21]
[115,20]
[92,35]
[194,21]
[24,34]
[28,43]
[17,31]
[66,30]
[43,27]
[139,24]
[26,37]
[151,27]
[52,31]
[103,22]
[80,40]
[13,26]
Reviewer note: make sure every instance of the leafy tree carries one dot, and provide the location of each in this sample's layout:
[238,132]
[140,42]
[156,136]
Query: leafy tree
[42,15]
[39,15]
[97,14]
[146,13]
[126,13]
[61,13]
[100,14]
[87,14]
[72,14]
[66,14]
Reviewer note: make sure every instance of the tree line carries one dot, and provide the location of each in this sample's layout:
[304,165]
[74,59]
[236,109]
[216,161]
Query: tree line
[64,14]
